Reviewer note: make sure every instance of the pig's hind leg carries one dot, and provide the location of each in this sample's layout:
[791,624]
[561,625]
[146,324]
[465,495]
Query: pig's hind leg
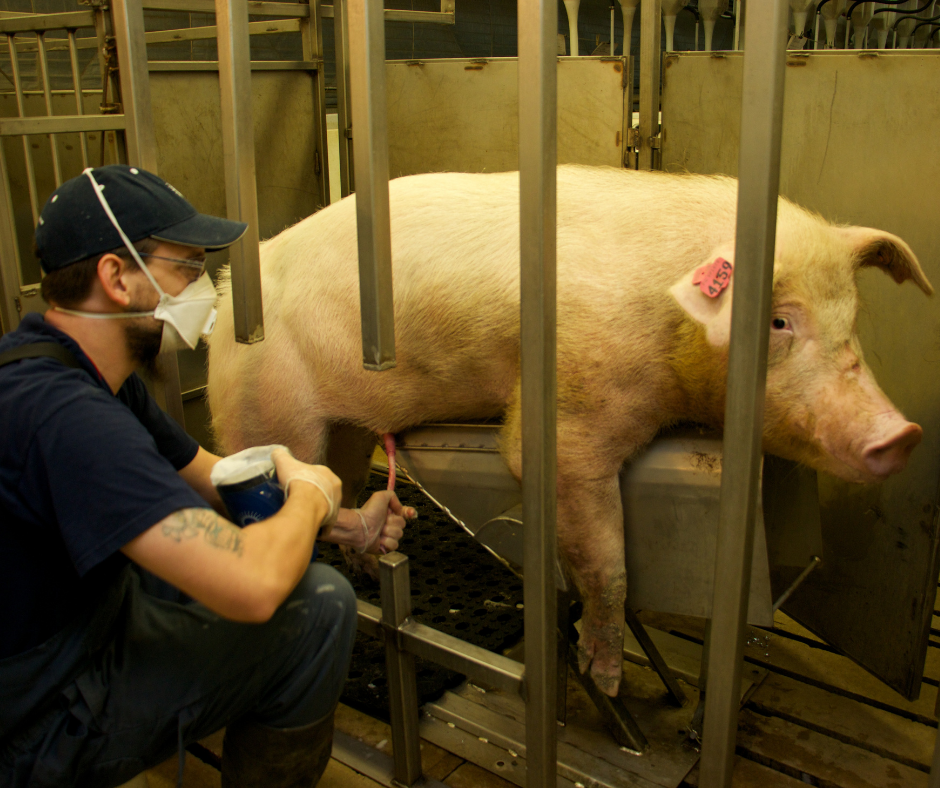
[349,456]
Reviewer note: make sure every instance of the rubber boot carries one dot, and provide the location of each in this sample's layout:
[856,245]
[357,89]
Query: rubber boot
[256,756]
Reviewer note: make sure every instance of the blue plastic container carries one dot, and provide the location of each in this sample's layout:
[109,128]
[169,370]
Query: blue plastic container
[253,499]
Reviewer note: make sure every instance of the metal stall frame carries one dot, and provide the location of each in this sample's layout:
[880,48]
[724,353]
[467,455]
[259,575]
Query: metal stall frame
[238,145]
[126,27]
[758,188]
[339,13]
[537,158]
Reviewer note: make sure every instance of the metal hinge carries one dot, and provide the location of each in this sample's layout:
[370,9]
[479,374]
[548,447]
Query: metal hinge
[655,141]
[316,161]
[633,138]
[348,133]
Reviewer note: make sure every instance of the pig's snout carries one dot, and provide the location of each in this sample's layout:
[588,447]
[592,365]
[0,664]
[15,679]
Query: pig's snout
[890,454]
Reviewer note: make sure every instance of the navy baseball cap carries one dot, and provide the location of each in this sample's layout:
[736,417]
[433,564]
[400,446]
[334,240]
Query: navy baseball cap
[73,225]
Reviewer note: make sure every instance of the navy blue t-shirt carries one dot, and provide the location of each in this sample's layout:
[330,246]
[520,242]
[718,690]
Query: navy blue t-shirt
[82,472]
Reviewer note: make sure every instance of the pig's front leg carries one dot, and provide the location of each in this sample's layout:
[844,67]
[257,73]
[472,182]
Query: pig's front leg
[590,535]
[590,542]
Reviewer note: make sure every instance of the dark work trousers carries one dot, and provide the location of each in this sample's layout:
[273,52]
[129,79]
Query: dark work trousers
[175,673]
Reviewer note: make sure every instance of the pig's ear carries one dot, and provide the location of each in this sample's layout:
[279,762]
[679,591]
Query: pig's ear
[887,252]
[713,313]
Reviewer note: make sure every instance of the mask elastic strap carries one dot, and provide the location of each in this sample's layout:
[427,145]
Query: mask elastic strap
[102,315]
[99,192]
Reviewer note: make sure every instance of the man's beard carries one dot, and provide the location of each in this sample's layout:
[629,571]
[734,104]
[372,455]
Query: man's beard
[143,342]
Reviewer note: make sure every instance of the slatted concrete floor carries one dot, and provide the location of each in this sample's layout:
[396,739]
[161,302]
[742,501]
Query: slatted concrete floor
[816,718]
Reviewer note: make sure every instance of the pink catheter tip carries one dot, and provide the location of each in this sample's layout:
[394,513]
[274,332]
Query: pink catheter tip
[389,439]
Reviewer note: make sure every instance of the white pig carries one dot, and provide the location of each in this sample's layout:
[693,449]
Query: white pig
[640,345]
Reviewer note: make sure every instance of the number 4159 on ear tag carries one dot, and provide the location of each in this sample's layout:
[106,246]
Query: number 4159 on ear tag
[713,278]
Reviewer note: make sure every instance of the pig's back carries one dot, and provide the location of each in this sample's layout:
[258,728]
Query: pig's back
[623,238]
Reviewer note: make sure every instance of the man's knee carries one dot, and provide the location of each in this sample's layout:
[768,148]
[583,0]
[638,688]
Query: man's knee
[326,592]
[319,618]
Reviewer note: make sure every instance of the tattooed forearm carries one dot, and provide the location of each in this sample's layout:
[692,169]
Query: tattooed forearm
[190,523]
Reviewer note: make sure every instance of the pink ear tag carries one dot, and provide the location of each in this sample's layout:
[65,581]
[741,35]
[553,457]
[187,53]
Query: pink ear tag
[713,278]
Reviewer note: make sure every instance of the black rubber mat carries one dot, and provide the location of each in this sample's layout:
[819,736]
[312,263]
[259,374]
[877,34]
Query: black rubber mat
[457,587]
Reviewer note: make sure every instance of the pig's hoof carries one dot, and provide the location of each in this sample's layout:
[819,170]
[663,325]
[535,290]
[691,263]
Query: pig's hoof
[605,670]
[607,683]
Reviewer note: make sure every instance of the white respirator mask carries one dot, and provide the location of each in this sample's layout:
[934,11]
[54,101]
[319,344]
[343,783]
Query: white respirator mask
[186,316]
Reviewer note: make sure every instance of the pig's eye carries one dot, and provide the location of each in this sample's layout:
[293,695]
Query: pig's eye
[780,323]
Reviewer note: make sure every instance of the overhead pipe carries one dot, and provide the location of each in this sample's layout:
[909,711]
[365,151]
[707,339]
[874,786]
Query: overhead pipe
[800,9]
[628,9]
[710,11]
[571,7]
[698,19]
[671,9]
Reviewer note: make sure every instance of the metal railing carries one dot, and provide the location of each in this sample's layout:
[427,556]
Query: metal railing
[359,30]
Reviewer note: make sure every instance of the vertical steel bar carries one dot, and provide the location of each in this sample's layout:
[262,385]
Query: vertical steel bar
[127,17]
[311,33]
[42,63]
[538,101]
[395,582]
[10,276]
[650,57]
[79,96]
[238,147]
[935,766]
[343,101]
[765,37]
[370,146]
[21,111]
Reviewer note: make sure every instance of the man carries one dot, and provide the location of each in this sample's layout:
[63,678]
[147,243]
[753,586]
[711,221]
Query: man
[98,679]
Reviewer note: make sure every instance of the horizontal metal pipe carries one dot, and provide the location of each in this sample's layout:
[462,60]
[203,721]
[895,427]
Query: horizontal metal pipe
[395,15]
[443,649]
[461,657]
[213,65]
[60,124]
[212,31]
[208,7]
[33,23]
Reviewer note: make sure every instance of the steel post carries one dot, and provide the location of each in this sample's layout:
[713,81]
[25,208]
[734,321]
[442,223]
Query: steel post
[370,149]
[141,142]
[128,18]
[10,276]
[238,146]
[311,34]
[395,582]
[759,176]
[79,96]
[538,96]
[650,61]
[343,100]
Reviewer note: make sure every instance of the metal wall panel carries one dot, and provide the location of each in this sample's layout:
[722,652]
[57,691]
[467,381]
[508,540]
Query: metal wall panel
[187,116]
[858,134]
[463,115]
[188,125]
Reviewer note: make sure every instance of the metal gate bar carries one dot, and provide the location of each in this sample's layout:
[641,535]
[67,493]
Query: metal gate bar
[538,117]
[758,187]
[241,193]
[77,85]
[42,67]
[373,223]
[21,111]
[650,61]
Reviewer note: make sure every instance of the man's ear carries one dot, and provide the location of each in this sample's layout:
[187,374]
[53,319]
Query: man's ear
[705,296]
[114,278]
